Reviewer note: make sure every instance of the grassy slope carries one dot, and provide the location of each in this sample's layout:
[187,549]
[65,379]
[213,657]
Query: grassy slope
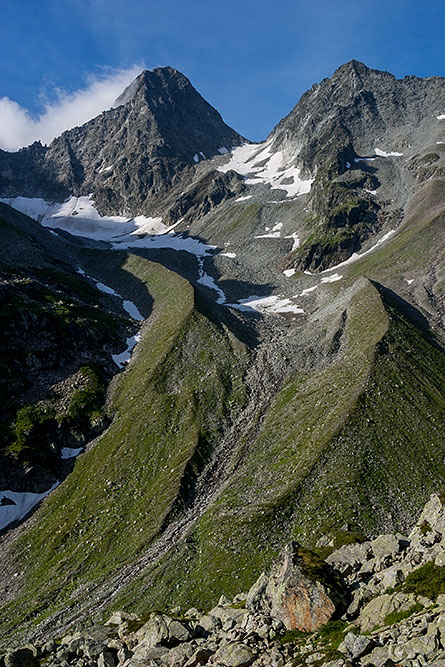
[242,531]
[366,433]
[170,400]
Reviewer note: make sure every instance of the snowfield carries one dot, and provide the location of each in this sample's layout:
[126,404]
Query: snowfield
[261,165]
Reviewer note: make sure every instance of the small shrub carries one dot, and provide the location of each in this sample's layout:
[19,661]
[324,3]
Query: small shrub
[332,633]
[241,604]
[397,616]
[294,636]
[428,581]
[86,403]
[425,528]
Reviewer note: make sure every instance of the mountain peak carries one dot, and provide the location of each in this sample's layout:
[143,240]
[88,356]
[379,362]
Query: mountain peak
[151,80]
[352,66]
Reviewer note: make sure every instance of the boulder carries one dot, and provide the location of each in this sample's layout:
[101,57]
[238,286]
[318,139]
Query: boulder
[200,657]
[350,558]
[378,658]
[119,617]
[387,545]
[211,624]
[164,630]
[302,591]
[374,613]
[356,646]
[432,518]
[235,654]
[106,659]
[179,655]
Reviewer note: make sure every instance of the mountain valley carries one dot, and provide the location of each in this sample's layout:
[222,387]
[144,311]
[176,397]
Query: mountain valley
[213,348]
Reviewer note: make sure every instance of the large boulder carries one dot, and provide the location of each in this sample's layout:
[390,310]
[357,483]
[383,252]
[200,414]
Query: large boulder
[432,518]
[374,613]
[235,654]
[302,592]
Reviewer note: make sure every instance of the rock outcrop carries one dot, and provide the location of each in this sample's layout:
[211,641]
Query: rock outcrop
[302,592]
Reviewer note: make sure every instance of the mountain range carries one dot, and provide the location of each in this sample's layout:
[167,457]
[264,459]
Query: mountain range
[212,347]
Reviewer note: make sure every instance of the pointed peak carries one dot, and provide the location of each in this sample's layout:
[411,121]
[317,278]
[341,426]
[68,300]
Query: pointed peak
[152,79]
[352,67]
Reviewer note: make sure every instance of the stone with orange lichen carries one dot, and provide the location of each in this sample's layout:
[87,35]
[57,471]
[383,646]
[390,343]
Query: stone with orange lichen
[302,591]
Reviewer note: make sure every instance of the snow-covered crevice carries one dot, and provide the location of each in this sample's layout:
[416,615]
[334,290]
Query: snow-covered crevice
[274,233]
[15,505]
[208,281]
[381,153]
[123,357]
[260,164]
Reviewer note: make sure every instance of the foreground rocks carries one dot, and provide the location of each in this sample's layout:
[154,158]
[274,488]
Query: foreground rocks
[379,603]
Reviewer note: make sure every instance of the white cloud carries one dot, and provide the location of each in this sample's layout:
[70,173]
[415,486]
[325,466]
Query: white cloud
[19,128]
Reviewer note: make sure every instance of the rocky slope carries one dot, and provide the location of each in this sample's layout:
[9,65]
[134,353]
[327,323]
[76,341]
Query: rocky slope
[275,395]
[377,603]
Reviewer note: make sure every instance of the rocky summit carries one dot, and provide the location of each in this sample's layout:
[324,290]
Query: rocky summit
[222,374]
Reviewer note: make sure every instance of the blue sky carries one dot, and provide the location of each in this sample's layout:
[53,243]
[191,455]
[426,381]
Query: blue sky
[251,59]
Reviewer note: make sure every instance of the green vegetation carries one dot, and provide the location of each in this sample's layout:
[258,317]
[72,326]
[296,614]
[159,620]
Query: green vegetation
[86,404]
[241,604]
[427,581]
[340,538]
[397,616]
[332,634]
[294,637]
[425,528]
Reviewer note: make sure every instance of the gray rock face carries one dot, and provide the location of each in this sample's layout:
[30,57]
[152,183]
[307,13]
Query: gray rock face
[129,156]
[354,111]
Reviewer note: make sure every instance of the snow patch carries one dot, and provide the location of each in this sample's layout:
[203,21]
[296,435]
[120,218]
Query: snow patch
[22,503]
[381,153]
[296,242]
[441,117]
[232,255]
[289,272]
[78,216]
[128,306]
[267,304]
[131,309]
[409,281]
[196,157]
[331,279]
[208,281]
[274,233]
[262,165]
[244,198]
[124,357]
[308,290]
[223,150]
[70,453]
